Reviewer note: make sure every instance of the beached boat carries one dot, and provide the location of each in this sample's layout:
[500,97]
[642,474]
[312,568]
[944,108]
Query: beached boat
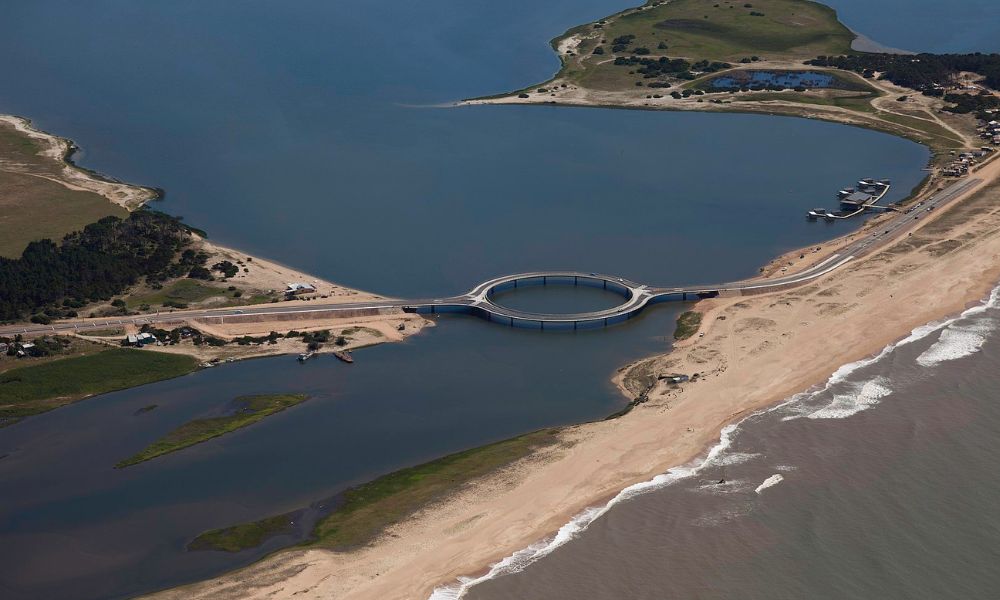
[344,355]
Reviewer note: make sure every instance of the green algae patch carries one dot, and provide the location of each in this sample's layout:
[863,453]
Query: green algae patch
[250,409]
[687,325]
[245,535]
[363,512]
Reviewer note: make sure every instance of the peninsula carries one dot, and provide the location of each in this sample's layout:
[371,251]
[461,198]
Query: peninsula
[770,56]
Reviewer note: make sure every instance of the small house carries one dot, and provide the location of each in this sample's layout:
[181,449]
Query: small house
[294,289]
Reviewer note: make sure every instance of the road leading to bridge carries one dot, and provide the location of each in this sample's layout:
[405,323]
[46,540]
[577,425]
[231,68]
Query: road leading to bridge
[478,300]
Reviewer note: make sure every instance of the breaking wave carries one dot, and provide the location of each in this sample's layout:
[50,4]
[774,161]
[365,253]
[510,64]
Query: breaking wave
[769,482]
[956,340]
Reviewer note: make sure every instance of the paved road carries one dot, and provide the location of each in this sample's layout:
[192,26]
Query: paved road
[478,300]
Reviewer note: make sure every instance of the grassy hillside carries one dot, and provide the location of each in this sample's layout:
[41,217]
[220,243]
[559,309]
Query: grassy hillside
[33,207]
[696,30]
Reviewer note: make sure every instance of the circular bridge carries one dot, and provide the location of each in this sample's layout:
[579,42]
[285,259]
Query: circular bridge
[479,300]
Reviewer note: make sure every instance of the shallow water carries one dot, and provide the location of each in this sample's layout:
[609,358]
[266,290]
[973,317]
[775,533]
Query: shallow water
[263,114]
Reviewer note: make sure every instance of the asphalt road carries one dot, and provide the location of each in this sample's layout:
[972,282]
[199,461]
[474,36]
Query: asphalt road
[639,295]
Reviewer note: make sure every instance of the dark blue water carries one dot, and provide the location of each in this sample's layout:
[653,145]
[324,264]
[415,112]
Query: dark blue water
[304,120]
[924,25]
[787,79]
[305,134]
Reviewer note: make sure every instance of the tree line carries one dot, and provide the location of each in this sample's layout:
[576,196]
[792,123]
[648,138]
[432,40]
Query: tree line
[102,260]
[917,71]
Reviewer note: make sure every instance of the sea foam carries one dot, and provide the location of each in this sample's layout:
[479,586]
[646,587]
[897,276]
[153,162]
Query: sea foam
[769,482]
[957,341]
[868,394]
[861,397]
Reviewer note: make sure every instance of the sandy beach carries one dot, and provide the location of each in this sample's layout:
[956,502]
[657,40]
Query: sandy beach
[755,351]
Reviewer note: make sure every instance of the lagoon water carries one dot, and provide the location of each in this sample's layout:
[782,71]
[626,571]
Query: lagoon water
[310,135]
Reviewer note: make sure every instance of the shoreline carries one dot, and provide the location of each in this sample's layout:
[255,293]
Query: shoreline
[467,523]
[129,196]
[265,274]
[484,523]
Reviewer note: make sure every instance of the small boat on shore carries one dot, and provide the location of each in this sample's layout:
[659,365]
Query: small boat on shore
[306,356]
[344,355]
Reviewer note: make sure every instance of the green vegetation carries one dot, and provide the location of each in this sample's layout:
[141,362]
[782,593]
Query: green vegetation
[705,32]
[33,207]
[96,263]
[687,325]
[34,389]
[182,291]
[366,510]
[249,410]
[245,535]
[727,31]
[928,73]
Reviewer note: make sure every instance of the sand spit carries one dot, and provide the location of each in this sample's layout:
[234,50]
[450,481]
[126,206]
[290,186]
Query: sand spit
[755,351]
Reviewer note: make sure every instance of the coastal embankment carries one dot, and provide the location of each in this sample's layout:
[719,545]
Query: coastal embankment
[755,351]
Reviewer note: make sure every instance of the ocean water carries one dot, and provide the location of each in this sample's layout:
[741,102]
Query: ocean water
[881,483]
[311,133]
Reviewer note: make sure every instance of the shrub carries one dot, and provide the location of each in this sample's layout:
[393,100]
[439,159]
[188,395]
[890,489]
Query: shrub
[200,273]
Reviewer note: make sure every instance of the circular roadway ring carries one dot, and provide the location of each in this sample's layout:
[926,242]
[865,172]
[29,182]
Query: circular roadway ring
[635,295]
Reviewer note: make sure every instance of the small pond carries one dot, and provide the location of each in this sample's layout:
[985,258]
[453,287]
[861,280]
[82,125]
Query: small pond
[783,79]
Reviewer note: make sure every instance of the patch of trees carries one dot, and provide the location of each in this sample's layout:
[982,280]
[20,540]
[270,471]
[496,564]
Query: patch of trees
[972,103]
[656,67]
[621,43]
[710,66]
[227,268]
[922,72]
[95,264]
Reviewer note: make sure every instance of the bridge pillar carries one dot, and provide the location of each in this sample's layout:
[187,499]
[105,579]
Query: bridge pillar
[574,325]
[684,296]
[545,280]
[512,321]
[433,309]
